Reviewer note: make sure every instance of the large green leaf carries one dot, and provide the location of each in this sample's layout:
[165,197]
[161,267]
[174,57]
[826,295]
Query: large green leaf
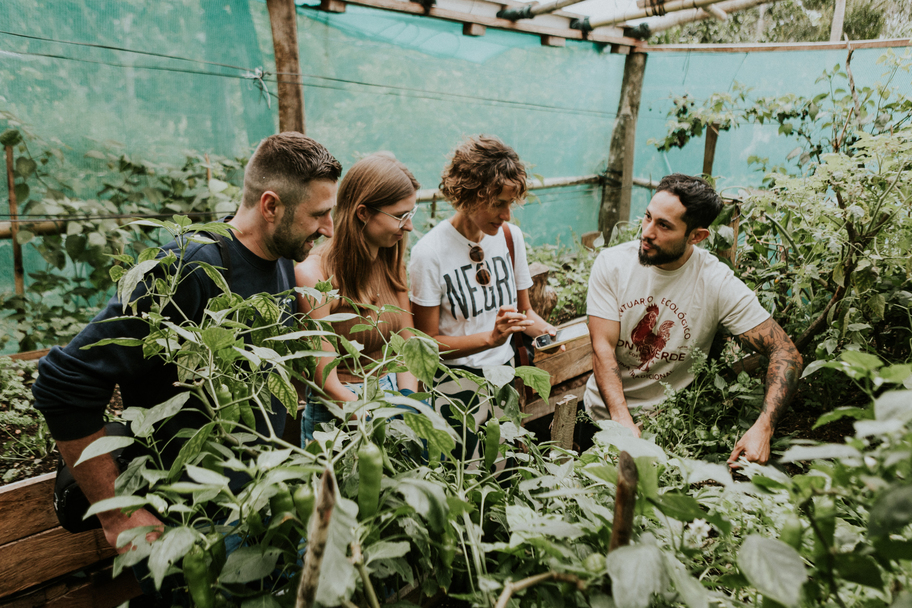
[131,279]
[439,442]
[421,356]
[691,592]
[637,573]
[103,445]
[498,375]
[891,511]
[538,379]
[283,391]
[160,412]
[248,564]
[773,567]
[217,338]
[170,548]
[861,569]
[385,550]
[678,506]
[118,502]
[428,499]
[190,450]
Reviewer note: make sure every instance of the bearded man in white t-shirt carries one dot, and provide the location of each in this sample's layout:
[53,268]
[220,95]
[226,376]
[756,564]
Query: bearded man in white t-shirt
[652,302]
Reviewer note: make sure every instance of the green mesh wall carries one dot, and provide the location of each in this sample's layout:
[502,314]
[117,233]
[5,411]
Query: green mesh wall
[374,80]
[768,74]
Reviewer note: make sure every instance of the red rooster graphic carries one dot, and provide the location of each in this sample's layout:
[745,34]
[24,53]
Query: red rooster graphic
[649,345]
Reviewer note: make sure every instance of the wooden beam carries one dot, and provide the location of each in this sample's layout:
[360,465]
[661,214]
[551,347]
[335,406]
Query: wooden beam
[51,553]
[473,29]
[26,508]
[529,26]
[284,21]
[553,41]
[616,192]
[332,6]
[96,590]
[777,47]
[575,361]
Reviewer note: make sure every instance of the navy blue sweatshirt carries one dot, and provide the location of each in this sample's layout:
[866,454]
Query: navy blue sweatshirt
[75,386]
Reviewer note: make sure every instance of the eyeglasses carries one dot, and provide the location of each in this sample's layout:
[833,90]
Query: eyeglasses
[482,274]
[402,218]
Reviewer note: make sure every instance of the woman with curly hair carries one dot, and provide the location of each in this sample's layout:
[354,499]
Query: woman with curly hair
[365,260]
[470,288]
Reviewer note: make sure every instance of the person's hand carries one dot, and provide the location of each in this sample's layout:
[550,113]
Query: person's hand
[508,322]
[115,522]
[629,423]
[754,445]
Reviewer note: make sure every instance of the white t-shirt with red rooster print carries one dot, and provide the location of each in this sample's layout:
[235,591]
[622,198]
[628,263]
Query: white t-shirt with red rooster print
[664,316]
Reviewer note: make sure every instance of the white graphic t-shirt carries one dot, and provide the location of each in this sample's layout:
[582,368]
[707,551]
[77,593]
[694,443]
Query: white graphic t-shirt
[664,315]
[442,274]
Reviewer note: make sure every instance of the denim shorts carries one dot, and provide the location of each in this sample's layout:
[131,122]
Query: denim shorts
[316,413]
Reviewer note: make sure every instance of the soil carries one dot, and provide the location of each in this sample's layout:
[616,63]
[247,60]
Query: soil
[24,465]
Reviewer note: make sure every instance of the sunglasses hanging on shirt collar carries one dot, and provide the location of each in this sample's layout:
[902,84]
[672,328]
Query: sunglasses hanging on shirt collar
[482,274]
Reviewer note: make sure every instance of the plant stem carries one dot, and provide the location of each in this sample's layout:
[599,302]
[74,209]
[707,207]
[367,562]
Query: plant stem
[316,542]
[511,587]
[358,560]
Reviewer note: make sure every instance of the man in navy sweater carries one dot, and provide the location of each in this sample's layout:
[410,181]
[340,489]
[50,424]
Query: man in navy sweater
[289,191]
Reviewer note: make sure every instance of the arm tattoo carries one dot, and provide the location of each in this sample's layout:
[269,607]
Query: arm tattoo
[785,363]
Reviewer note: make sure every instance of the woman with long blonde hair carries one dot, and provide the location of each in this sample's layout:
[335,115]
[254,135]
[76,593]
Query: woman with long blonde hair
[365,260]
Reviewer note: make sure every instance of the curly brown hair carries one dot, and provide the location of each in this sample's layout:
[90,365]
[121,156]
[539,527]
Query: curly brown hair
[478,170]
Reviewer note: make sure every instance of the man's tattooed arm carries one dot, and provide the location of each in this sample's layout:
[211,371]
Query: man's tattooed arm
[785,364]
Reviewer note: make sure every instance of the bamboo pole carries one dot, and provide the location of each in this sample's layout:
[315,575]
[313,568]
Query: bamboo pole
[284,21]
[660,24]
[619,180]
[625,501]
[431,195]
[532,9]
[18,268]
[588,24]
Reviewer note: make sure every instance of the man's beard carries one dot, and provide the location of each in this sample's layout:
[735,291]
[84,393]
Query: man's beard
[286,245]
[661,256]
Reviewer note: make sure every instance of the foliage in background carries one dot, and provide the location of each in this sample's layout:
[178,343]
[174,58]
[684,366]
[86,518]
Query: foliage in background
[796,21]
[93,202]
[25,442]
[825,248]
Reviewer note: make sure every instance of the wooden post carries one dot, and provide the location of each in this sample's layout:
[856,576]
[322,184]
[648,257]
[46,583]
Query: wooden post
[18,268]
[709,151]
[625,501]
[284,22]
[838,21]
[619,174]
[564,421]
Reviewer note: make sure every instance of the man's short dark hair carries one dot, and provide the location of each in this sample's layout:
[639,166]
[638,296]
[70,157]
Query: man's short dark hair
[701,202]
[285,164]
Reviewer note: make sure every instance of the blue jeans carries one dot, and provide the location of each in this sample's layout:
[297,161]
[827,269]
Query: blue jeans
[316,413]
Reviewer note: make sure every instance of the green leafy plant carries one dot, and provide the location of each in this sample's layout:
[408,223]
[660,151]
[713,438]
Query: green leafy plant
[81,215]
